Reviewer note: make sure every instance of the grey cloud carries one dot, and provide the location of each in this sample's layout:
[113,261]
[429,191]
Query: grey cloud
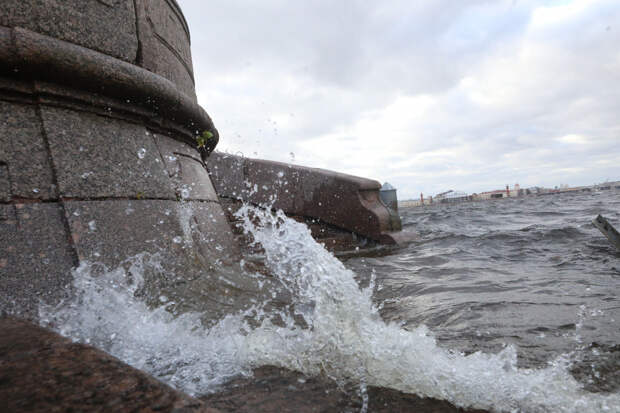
[504,84]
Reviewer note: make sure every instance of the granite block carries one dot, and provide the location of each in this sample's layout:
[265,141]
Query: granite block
[100,157]
[166,43]
[227,174]
[105,26]
[185,167]
[36,257]
[24,160]
[186,250]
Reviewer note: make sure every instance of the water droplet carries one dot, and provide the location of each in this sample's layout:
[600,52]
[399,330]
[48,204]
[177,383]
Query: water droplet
[141,153]
[92,226]
[35,190]
[163,298]
[76,213]
[281,174]
[177,240]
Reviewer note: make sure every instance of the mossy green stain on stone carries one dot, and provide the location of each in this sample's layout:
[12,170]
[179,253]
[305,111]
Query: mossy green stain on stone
[202,139]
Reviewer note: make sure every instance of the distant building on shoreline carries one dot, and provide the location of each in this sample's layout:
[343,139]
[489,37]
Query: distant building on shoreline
[516,191]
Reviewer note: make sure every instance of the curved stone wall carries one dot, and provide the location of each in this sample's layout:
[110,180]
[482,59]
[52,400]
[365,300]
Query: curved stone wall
[152,34]
[98,155]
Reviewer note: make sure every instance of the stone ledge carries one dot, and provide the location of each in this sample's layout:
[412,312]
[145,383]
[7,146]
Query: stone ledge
[32,56]
[345,201]
[107,26]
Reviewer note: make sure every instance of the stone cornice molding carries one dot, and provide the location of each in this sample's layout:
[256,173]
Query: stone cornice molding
[27,55]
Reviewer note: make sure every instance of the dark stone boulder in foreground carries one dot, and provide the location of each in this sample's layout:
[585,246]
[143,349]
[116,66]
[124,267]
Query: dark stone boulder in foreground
[40,371]
[278,390]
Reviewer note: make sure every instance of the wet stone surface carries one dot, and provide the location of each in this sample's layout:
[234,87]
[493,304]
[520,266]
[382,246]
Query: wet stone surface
[186,169]
[107,26]
[98,157]
[165,43]
[44,372]
[278,390]
[345,201]
[25,169]
[35,257]
[187,249]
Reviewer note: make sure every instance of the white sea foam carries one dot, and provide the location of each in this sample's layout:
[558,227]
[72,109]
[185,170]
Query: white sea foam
[346,338]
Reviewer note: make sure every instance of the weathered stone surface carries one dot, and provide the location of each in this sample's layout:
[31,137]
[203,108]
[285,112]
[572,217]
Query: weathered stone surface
[77,117]
[25,168]
[188,172]
[117,229]
[274,182]
[194,180]
[191,245]
[278,390]
[44,372]
[5,183]
[228,175]
[36,257]
[165,40]
[98,157]
[29,56]
[107,26]
[345,201]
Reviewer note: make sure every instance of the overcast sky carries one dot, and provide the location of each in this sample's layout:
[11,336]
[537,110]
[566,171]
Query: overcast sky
[429,95]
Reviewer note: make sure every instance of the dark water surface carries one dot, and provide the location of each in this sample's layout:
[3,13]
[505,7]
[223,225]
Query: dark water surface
[533,272]
[520,296]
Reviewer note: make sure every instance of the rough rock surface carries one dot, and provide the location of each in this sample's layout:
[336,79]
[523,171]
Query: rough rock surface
[277,390]
[98,157]
[40,371]
[340,204]
[44,372]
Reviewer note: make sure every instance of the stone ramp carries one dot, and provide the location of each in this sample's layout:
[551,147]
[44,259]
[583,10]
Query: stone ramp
[44,372]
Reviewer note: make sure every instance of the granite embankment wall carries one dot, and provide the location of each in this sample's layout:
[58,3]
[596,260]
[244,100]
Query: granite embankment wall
[98,156]
[99,162]
[342,211]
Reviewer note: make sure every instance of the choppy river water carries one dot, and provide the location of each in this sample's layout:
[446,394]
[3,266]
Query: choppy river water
[531,272]
[508,305]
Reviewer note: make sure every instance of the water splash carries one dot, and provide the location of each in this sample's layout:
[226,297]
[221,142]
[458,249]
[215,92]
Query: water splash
[108,313]
[343,335]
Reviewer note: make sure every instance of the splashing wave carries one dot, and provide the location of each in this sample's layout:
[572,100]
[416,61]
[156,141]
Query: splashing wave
[343,335]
